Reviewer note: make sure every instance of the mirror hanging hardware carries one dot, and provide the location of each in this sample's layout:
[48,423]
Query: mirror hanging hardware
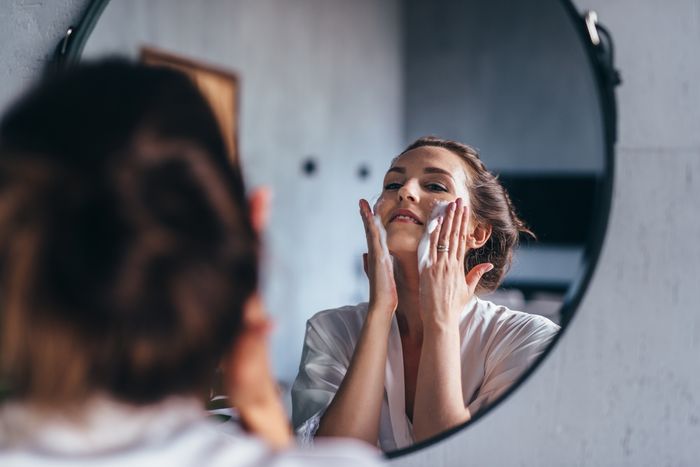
[591,19]
[70,46]
[64,42]
[603,46]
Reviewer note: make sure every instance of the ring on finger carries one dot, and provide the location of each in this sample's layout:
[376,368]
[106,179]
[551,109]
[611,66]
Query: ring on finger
[443,248]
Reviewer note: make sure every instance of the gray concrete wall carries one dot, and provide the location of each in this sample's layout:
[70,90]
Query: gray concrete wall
[510,78]
[29,32]
[622,387]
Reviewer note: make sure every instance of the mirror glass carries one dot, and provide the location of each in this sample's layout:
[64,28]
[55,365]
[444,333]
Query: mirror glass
[329,92]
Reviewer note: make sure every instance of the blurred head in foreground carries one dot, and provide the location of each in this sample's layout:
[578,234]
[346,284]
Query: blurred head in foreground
[126,249]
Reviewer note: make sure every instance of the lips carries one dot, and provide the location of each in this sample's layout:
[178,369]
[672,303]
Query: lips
[404,215]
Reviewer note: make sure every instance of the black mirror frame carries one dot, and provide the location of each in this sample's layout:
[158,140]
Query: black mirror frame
[600,52]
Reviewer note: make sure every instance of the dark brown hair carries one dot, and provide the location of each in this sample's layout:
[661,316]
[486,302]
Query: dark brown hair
[126,250]
[490,205]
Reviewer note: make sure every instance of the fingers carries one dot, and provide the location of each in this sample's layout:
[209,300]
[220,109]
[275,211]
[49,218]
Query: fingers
[446,230]
[366,213]
[475,275]
[373,238]
[463,234]
[434,239]
[456,228]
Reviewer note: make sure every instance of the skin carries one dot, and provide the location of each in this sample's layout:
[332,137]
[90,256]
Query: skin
[427,304]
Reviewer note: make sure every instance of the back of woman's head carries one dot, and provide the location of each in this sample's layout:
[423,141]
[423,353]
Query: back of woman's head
[126,251]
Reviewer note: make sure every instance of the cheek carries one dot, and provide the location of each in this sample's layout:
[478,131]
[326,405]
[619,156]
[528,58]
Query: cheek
[382,207]
[379,204]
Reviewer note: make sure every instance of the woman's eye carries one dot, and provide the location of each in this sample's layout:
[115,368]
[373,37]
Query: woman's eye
[392,186]
[436,187]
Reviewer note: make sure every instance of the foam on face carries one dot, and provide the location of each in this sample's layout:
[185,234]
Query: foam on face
[385,256]
[424,246]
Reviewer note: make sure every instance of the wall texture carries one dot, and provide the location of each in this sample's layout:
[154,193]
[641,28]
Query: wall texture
[29,32]
[622,388]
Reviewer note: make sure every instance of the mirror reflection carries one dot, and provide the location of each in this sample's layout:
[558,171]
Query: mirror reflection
[328,98]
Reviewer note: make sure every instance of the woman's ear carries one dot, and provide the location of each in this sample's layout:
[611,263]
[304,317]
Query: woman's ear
[259,205]
[479,236]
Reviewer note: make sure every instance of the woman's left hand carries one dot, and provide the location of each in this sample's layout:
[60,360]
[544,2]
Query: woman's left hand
[445,286]
[251,386]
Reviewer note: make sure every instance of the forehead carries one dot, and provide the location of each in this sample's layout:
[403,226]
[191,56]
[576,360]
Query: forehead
[432,156]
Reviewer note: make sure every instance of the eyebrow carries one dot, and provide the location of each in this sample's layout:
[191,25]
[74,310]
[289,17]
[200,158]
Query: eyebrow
[428,170]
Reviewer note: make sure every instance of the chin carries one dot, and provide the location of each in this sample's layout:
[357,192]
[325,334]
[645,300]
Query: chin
[402,244]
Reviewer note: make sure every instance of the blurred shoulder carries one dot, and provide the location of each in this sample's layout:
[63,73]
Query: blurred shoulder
[335,452]
[500,319]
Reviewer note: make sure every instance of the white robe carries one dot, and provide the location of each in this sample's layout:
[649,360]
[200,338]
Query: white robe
[176,432]
[497,346]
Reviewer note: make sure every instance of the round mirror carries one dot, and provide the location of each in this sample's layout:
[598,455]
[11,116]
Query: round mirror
[317,97]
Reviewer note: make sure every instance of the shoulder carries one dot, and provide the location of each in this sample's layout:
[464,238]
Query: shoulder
[501,318]
[244,450]
[337,328]
[349,316]
[504,330]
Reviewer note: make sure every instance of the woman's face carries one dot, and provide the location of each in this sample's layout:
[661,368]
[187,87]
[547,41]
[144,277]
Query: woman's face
[415,183]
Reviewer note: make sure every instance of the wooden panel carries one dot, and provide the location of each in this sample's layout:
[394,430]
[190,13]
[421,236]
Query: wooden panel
[219,87]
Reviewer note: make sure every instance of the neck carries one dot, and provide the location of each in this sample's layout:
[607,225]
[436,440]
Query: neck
[408,313]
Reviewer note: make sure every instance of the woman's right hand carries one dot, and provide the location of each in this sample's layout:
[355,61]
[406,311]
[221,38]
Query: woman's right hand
[379,265]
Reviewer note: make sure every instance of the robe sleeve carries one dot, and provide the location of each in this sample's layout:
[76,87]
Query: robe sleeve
[513,350]
[324,362]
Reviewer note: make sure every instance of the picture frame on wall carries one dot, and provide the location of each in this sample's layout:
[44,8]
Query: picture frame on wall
[220,88]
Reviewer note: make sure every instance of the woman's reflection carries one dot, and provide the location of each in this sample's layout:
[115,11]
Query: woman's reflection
[425,353]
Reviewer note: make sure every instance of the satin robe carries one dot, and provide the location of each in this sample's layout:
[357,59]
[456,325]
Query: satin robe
[497,346]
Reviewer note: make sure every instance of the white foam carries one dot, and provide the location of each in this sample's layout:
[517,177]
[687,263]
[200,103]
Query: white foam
[432,223]
[382,238]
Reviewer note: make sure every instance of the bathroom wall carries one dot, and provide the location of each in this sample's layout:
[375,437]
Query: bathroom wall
[29,32]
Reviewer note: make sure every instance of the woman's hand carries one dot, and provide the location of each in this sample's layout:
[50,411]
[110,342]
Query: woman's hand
[445,287]
[378,262]
[251,388]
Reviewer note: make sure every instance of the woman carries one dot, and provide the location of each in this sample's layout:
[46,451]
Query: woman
[425,354]
[128,272]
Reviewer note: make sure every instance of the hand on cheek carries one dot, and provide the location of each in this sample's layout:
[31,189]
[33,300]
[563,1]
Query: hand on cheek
[444,286]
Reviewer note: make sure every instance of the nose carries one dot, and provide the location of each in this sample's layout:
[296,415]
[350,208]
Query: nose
[408,191]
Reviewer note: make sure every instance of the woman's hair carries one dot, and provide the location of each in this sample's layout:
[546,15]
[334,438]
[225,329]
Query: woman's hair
[126,249]
[490,205]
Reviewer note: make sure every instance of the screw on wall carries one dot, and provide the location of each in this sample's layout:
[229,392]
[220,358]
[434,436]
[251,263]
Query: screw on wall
[309,167]
[363,172]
